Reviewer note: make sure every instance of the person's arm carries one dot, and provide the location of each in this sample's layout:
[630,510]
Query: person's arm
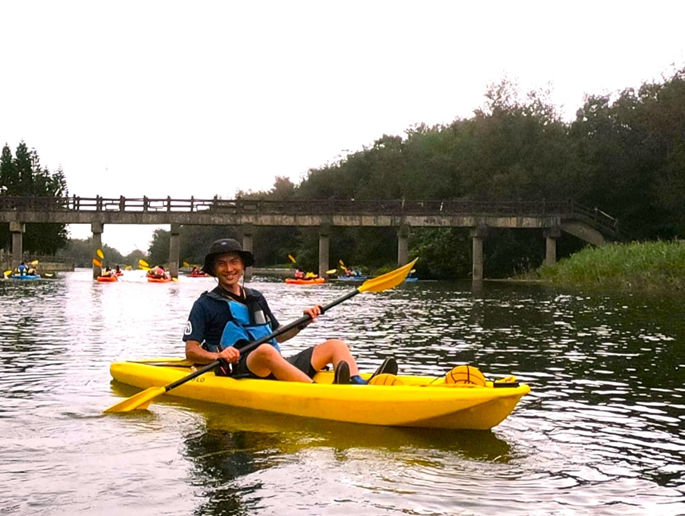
[198,355]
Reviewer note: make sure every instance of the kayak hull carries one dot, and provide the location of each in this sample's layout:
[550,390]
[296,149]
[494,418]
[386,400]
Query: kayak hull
[24,277]
[107,279]
[297,281]
[158,280]
[420,402]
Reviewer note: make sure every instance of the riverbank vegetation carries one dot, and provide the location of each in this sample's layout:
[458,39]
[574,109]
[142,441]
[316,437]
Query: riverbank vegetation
[624,153]
[635,266]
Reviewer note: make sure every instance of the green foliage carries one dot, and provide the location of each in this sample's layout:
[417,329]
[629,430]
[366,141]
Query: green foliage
[80,253]
[22,175]
[637,266]
[442,252]
[158,251]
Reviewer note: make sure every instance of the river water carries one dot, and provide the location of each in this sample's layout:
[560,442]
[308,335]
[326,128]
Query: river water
[602,432]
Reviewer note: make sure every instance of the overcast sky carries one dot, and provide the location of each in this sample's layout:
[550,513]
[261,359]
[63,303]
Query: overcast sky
[201,98]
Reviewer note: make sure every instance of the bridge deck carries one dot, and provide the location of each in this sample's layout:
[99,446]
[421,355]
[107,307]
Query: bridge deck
[414,213]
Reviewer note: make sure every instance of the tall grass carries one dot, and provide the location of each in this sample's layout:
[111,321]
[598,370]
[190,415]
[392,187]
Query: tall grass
[635,266]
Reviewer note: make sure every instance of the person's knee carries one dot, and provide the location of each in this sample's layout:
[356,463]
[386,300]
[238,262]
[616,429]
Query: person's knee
[339,344]
[332,347]
[265,353]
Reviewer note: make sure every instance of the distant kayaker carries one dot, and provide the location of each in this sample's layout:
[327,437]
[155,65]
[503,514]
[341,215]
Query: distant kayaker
[230,316]
[157,272]
[299,273]
[23,269]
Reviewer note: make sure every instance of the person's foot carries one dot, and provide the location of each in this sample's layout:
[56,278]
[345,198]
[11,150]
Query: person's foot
[342,373]
[389,366]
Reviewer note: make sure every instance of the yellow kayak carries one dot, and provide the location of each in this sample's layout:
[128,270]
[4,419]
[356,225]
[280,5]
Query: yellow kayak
[419,402]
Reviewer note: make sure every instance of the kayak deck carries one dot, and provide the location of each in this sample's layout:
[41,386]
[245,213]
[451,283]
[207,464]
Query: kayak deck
[420,402]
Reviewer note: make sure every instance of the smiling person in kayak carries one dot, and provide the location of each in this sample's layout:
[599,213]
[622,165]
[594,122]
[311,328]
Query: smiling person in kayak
[226,318]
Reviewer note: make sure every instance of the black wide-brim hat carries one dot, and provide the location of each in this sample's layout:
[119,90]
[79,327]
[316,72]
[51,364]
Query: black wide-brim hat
[223,246]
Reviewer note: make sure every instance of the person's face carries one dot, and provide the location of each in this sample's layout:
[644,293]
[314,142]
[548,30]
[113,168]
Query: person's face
[228,269]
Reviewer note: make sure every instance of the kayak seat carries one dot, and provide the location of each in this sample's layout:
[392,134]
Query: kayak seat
[389,366]
[385,379]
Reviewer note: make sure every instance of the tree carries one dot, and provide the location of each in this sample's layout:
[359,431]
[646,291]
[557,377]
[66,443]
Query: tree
[23,176]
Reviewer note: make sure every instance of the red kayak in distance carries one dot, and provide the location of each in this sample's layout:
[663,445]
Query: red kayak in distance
[304,281]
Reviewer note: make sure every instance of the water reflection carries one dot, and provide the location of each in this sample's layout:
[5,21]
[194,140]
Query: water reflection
[235,450]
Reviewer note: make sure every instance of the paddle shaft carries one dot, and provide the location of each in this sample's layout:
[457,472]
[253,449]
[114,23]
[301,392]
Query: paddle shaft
[252,345]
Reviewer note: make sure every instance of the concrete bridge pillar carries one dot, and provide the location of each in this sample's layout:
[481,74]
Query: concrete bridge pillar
[478,234]
[248,234]
[324,249]
[17,229]
[551,235]
[174,249]
[96,228]
[402,245]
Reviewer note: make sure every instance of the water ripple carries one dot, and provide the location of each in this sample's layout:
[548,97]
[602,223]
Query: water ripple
[602,432]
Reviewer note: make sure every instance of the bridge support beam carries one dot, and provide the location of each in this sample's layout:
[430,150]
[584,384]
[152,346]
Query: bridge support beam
[551,235]
[96,228]
[248,234]
[174,249]
[478,234]
[324,249]
[17,229]
[402,245]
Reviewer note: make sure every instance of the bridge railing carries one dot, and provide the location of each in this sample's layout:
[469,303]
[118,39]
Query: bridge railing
[507,208]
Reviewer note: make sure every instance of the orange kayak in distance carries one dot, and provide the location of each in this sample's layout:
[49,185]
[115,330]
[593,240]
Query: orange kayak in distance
[304,281]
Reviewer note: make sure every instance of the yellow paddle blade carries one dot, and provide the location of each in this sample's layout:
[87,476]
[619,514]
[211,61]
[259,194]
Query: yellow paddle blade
[7,273]
[139,401]
[332,271]
[386,281]
[100,254]
[97,262]
[34,262]
[186,264]
[342,264]
[143,263]
[291,258]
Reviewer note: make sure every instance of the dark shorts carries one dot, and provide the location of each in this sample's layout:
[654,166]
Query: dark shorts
[303,361]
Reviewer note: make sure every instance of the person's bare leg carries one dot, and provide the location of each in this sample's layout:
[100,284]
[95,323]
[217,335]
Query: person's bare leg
[266,360]
[331,352]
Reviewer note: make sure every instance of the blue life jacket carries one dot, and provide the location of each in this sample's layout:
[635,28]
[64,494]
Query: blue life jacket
[247,324]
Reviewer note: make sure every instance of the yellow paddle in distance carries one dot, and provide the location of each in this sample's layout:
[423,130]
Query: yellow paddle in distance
[143,264]
[100,254]
[97,262]
[387,281]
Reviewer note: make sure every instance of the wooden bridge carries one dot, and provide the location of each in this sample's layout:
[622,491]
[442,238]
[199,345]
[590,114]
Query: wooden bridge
[591,225]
